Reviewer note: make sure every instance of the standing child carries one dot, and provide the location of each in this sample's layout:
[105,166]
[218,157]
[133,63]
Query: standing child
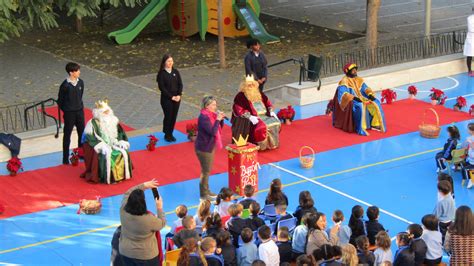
[345,231]
[356,223]
[448,147]
[249,192]
[417,243]
[445,208]
[372,225]
[404,255]
[444,176]
[433,240]
[469,165]
[223,201]
[365,255]
[268,250]
[235,224]
[181,211]
[70,102]
[284,244]
[383,252]
[248,252]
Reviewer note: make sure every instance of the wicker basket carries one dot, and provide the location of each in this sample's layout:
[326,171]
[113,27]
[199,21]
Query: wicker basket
[306,161]
[430,131]
[90,206]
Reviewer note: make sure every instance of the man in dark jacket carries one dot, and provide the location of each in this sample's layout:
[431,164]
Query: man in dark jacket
[70,102]
[256,63]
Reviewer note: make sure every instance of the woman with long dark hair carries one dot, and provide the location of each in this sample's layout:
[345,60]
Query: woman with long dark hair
[317,235]
[459,241]
[138,244]
[275,194]
[171,87]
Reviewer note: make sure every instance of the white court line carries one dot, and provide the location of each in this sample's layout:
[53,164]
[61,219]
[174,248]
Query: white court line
[456,84]
[340,193]
[467,95]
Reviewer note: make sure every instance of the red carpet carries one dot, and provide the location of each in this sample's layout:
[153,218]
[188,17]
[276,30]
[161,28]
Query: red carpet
[57,186]
[53,111]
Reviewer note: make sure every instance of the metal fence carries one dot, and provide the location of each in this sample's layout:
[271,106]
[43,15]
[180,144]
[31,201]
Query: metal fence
[393,53]
[27,116]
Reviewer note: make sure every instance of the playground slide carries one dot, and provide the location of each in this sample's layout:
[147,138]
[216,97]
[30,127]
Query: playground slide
[253,24]
[127,34]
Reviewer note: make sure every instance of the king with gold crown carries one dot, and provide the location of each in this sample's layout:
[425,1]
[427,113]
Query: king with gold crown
[106,147]
[253,116]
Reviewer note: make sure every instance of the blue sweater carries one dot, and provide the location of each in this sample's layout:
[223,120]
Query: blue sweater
[445,209]
[246,254]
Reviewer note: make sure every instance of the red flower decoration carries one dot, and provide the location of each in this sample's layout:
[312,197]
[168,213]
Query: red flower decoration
[287,113]
[471,110]
[152,142]
[388,96]
[461,102]
[14,165]
[438,95]
[412,90]
[191,129]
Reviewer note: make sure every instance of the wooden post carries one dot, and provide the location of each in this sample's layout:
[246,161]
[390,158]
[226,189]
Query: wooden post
[220,26]
[78,25]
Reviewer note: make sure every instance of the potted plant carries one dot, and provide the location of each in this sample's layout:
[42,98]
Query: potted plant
[287,114]
[191,129]
[75,155]
[14,165]
[437,97]
[152,140]
[388,96]
[471,110]
[412,91]
[330,107]
[460,103]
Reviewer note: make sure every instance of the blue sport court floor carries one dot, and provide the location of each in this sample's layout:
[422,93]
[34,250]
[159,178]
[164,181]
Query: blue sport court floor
[397,174]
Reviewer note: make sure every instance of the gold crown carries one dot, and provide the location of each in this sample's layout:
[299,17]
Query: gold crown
[249,78]
[241,141]
[102,104]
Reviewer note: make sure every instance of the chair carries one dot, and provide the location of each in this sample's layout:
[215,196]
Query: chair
[198,229]
[272,227]
[269,210]
[169,244]
[245,214]
[290,223]
[458,156]
[171,257]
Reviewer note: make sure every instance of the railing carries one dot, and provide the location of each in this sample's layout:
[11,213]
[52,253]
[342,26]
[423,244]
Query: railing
[393,53]
[27,116]
[303,69]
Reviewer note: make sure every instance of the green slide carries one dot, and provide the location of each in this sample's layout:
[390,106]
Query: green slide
[127,34]
[253,24]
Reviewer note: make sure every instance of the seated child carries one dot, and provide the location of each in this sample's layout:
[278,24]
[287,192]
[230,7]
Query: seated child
[281,215]
[225,248]
[223,201]
[256,221]
[448,147]
[249,196]
[383,252]
[208,247]
[404,255]
[365,255]
[181,211]
[300,235]
[187,232]
[235,224]
[344,232]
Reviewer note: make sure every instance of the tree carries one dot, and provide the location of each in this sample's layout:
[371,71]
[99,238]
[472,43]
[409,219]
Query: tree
[371,37]
[18,15]
[220,26]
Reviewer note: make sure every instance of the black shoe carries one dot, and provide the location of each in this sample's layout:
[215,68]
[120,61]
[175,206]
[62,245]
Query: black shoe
[173,139]
[65,162]
[168,139]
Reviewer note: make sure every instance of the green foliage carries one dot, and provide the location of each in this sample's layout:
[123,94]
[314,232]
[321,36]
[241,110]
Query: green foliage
[17,15]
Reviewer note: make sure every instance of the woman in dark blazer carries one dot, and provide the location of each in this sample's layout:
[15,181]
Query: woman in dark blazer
[171,87]
[210,124]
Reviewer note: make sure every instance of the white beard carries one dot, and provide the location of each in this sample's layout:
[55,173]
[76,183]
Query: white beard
[108,125]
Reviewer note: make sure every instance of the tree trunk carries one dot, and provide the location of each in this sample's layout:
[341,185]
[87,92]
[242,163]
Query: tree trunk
[371,37]
[79,27]
[220,26]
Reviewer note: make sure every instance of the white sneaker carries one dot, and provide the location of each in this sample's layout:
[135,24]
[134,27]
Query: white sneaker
[470,184]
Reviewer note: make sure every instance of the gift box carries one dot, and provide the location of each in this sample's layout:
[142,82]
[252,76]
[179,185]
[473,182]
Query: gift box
[243,167]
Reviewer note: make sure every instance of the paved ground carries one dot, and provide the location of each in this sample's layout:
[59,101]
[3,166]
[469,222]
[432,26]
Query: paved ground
[397,18]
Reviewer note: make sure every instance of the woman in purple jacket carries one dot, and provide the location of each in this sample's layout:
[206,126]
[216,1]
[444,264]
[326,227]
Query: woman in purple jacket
[210,125]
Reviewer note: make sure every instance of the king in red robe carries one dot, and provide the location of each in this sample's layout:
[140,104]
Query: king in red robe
[253,116]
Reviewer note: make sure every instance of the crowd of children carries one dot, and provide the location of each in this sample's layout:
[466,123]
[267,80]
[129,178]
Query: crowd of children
[228,237]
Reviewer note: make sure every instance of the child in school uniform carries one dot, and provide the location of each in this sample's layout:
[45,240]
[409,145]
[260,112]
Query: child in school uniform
[383,252]
[445,207]
[372,225]
[404,255]
[469,165]
[255,219]
[448,147]
[344,232]
[248,252]
[356,223]
[433,240]
[417,243]
[235,224]
[268,250]
[181,211]
[249,196]
[284,245]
